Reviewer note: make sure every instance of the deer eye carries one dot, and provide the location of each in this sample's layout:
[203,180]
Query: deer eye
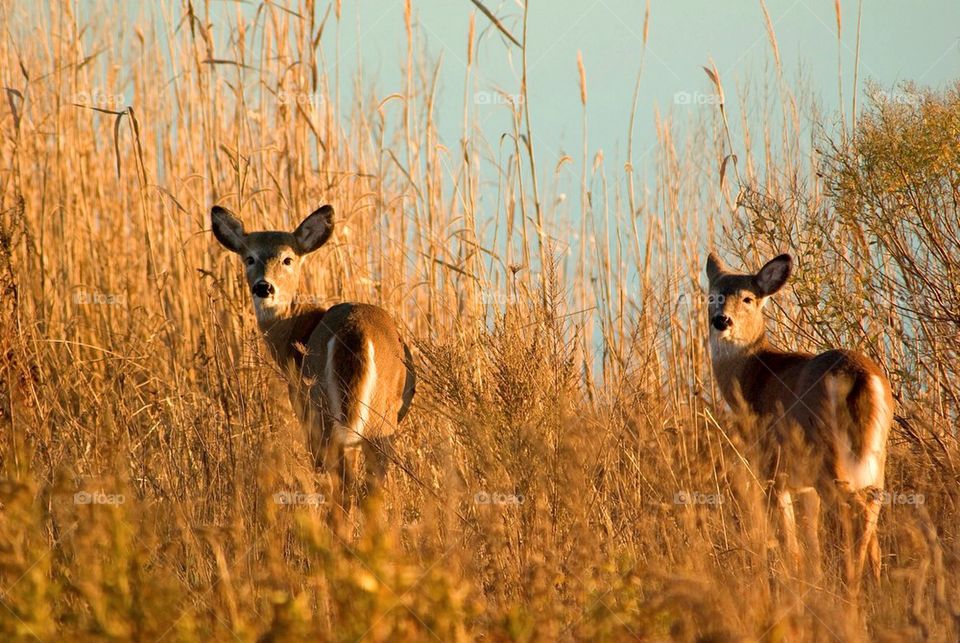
[748,300]
[249,261]
[287,261]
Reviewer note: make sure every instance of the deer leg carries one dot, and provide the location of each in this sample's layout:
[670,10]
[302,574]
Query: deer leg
[789,527]
[327,462]
[869,545]
[314,426]
[378,453]
[874,555]
[323,452]
[349,468]
[808,501]
[846,515]
[341,467]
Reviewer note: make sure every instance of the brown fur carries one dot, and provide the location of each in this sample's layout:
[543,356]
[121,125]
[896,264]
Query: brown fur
[820,416]
[298,336]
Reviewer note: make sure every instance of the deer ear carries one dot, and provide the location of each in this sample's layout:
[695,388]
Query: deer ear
[773,275]
[714,267]
[315,230]
[227,228]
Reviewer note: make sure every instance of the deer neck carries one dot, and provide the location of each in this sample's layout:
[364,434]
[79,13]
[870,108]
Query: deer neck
[288,328]
[730,360]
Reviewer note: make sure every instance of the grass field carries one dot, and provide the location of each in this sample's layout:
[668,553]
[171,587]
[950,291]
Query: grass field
[568,469]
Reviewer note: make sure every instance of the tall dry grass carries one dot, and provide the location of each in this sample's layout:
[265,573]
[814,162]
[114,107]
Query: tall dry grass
[567,471]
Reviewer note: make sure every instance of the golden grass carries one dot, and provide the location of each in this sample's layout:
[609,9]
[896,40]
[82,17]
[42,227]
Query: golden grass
[544,479]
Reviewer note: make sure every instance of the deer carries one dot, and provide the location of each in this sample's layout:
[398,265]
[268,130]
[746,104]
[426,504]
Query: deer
[824,418]
[350,376]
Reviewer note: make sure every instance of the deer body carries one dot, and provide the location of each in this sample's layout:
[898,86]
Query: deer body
[349,374]
[824,418]
[346,363]
[839,399]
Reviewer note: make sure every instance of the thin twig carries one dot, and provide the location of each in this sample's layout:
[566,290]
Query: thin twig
[496,22]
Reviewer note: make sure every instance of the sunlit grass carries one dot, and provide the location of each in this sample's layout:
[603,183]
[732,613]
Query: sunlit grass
[566,414]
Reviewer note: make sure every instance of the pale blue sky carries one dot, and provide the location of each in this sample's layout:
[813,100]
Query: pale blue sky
[900,41]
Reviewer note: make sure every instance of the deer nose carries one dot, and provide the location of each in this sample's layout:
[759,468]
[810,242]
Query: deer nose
[721,322]
[262,289]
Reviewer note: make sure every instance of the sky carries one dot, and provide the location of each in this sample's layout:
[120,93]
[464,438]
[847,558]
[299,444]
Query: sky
[900,40]
[917,41]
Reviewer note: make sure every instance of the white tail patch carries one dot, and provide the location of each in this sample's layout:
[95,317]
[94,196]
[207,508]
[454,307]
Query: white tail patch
[343,432]
[868,471]
[365,398]
[331,383]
